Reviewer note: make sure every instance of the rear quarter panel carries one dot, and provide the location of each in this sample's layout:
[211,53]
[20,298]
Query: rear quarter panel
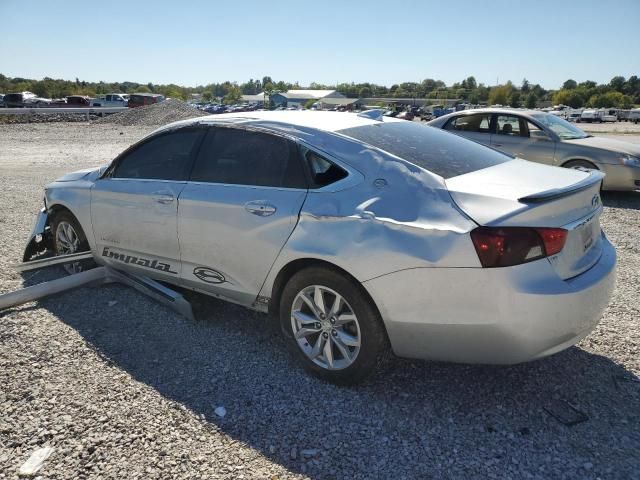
[371,230]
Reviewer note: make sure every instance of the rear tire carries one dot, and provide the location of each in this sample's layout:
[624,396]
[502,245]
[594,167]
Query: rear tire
[331,326]
[68,237]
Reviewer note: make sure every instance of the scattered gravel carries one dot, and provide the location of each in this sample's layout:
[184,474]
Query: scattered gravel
[158,114]
[46,118]
[130,390]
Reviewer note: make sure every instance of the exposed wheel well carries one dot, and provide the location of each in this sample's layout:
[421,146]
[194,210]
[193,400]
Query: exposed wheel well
[580,160]
[295,266]
[56,209]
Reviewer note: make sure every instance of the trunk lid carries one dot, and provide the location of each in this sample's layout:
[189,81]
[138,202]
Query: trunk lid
[526,194]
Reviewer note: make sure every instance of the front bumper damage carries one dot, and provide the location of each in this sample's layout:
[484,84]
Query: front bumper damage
[40,238]
[39,245]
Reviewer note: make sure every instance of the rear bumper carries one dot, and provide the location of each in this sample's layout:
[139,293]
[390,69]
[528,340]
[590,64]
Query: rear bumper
[621,177]
[495,316]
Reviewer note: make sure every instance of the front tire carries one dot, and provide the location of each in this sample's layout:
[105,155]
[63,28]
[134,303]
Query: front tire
[576,164]
[332,327]
[68,237]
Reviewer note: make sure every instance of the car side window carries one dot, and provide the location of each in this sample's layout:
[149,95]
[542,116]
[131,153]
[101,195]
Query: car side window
[323,172]
[470,123]
[244,157]
[535,132]
[166,157]
[511,125]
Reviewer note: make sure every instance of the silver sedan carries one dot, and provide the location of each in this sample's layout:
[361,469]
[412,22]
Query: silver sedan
[545,138]
[361,234]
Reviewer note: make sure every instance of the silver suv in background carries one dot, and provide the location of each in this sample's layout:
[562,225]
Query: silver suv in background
[545,138]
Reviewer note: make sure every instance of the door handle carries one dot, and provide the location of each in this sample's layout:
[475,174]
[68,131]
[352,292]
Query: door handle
[163,198]
[262,209]
[497,144]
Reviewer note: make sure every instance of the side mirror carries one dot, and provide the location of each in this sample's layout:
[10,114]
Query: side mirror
[539,135]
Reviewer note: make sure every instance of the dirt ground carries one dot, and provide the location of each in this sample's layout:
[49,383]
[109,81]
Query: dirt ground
[121,387]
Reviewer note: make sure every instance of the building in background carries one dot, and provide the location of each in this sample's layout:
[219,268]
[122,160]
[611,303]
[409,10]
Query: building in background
[258,99]
[298,98]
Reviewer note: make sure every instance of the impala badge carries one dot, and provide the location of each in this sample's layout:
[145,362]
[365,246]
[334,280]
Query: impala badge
[209,275]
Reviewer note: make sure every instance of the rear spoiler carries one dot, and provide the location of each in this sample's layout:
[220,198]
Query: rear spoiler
[594,177]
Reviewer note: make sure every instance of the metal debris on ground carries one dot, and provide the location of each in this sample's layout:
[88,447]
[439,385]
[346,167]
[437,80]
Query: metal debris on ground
[35,462]
[92,277]
[565,413]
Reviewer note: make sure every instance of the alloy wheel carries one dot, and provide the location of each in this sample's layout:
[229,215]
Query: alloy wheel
[68,241]
[325,327]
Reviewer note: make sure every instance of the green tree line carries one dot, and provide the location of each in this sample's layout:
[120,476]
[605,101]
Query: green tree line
[619,92]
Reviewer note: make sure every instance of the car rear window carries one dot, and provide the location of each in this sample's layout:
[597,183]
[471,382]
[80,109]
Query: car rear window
[439,152]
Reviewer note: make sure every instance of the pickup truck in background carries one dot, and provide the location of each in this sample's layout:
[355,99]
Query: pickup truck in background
[111,100]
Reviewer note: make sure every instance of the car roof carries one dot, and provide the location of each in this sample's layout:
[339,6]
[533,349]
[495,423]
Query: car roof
[325,121]
[516,111]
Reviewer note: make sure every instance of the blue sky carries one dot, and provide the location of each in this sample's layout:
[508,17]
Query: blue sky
[199,42]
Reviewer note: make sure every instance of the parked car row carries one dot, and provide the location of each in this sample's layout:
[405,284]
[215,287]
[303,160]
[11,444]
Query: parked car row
[597,115]
[29,99]
[24,99]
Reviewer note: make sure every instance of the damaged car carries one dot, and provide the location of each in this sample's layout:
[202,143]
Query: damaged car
[361,234]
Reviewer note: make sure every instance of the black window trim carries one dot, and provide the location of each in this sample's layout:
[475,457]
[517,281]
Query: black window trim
[494,122]
[353,177]
[108,173]
[249,128]
[472,114]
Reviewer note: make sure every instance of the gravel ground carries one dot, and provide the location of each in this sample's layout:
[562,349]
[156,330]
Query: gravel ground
[46,118]
[130,390]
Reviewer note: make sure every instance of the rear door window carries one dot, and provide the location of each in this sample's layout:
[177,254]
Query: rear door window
[244,157]
[478,123]
[430,148]
[511,125]
[166,157]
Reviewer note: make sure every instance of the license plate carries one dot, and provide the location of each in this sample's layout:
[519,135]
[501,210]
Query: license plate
[587,233]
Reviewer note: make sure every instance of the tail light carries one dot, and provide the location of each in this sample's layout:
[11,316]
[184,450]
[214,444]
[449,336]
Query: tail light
[506,246]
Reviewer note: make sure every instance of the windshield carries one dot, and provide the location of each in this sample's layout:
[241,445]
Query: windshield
[560,127]
[435,150]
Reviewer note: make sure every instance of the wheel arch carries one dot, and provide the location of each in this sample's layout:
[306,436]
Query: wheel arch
[54,207]
[294,266]
[59,207]
[566,162]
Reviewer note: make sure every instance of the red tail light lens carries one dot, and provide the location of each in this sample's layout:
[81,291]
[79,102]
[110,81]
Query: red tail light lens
[553,239]
[506,246]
